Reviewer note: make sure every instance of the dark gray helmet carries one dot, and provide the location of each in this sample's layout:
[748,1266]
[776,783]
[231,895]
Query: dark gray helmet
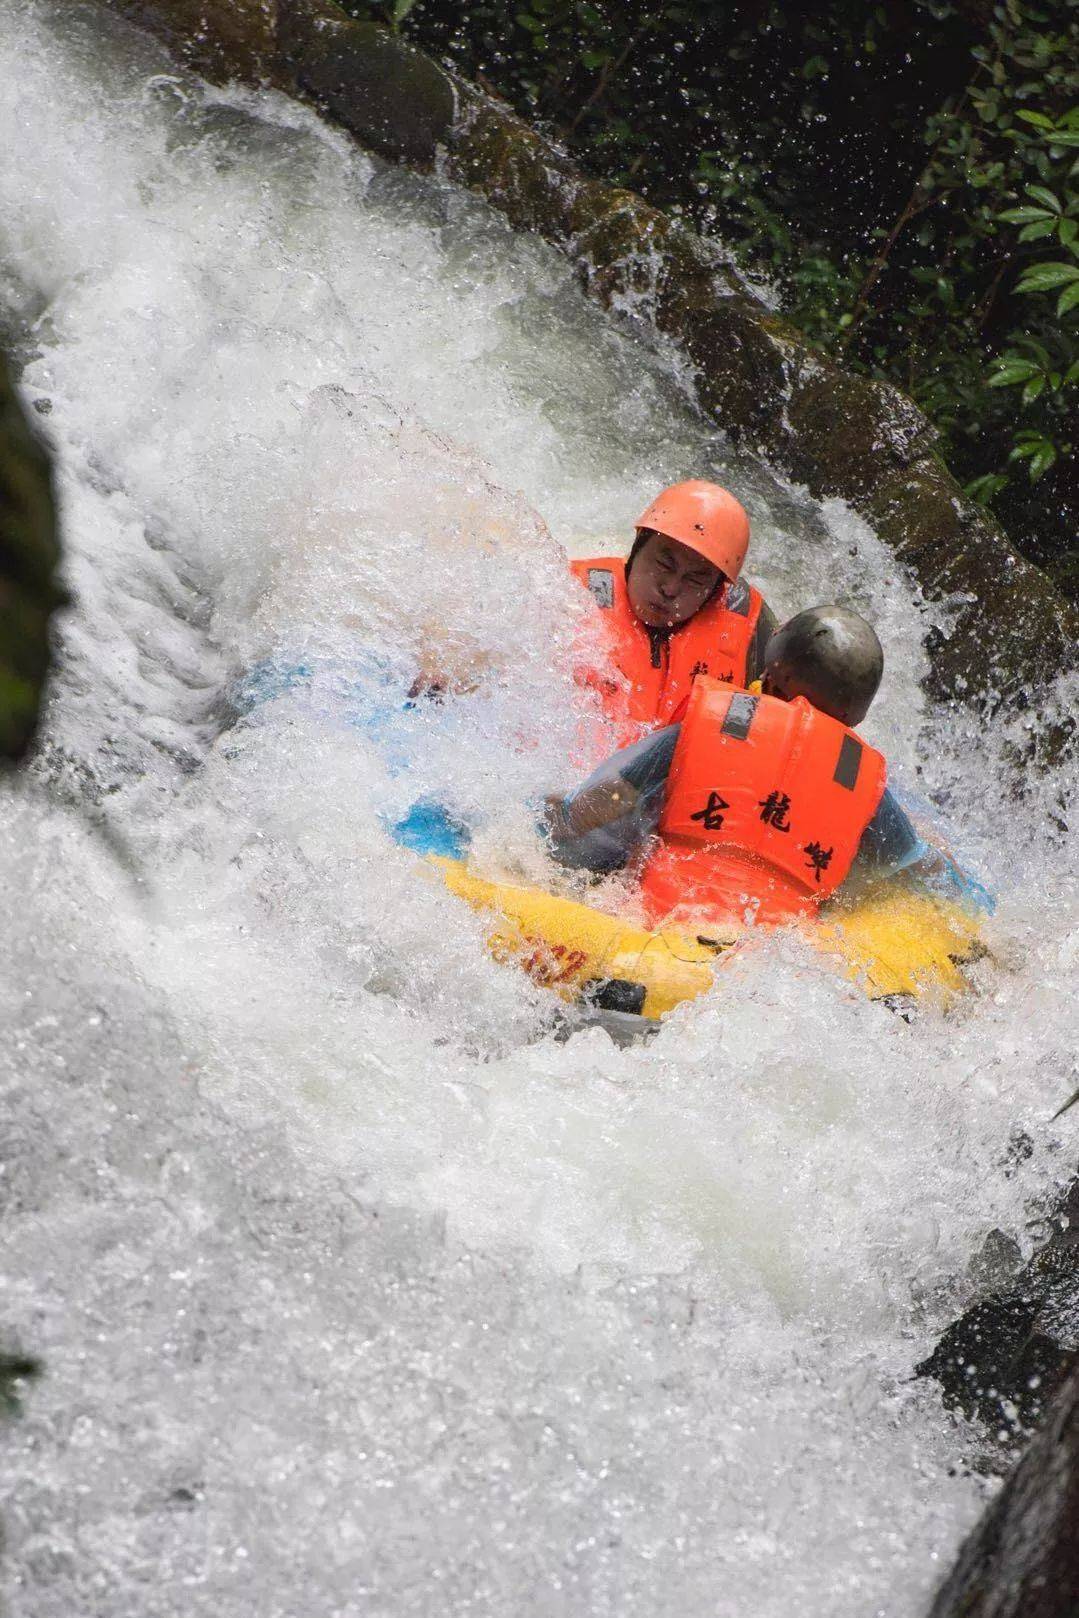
[830,656]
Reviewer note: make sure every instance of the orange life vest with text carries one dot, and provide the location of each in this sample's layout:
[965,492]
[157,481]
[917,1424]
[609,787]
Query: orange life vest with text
[765,807]
[644,680]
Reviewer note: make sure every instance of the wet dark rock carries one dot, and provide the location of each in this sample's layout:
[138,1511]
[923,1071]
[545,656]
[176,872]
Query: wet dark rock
[997,1263]
[1022,1560]
[842,435]
[29,555]
[1004,1359]
[16,1370]
[838,426]
[365,78]
[531,181]
[185,1496]
[224,39]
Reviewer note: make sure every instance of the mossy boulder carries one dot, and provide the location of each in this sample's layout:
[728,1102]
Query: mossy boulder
[838,428]
[393,98]
[29,555]
[224,39]
[524,176]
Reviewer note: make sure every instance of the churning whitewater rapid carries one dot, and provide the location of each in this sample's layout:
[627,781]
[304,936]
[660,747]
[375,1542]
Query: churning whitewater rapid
[360,1289]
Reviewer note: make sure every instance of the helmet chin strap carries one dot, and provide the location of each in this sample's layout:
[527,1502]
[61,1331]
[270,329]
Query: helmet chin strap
[642,537]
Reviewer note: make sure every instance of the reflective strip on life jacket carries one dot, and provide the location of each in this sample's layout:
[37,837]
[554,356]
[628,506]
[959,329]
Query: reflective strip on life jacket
[644,678]
[766,805]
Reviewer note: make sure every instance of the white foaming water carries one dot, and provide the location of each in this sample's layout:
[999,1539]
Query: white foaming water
[358,1291]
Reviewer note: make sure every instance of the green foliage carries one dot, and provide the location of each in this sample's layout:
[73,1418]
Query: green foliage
[997,161]
[399,10]
[903,175]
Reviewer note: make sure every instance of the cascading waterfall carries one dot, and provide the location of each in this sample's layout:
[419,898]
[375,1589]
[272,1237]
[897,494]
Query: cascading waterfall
[360,1289]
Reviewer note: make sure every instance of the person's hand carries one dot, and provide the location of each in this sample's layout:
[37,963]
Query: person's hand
[552,819]
[427,684]
[452,673]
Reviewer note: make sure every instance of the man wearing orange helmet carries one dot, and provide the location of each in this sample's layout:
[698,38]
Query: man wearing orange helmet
[674,609]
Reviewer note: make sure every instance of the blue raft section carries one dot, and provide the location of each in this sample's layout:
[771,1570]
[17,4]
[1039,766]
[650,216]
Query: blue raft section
[429,828]
[370,694]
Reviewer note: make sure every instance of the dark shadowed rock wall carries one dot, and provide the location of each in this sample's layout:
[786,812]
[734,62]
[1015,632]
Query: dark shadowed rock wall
[1022,1560]
[29,554]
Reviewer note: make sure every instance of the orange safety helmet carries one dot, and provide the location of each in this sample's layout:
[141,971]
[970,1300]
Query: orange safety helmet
[706,518]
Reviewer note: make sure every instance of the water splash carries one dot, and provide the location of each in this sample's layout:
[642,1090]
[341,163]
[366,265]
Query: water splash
[357,1288]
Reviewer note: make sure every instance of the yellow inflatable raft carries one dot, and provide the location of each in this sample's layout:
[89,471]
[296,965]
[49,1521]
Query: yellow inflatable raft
[894,942]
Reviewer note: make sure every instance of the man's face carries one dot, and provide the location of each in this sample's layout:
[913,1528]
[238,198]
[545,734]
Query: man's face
[668,582]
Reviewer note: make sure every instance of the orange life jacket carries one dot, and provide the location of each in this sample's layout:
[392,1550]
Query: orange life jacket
[643,679]
[766,804]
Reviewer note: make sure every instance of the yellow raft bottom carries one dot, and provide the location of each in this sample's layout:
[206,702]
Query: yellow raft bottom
[895,941]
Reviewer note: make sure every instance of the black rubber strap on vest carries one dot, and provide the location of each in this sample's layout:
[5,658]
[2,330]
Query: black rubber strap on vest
[739,716]
[658,642]
[848,764]
[738,598]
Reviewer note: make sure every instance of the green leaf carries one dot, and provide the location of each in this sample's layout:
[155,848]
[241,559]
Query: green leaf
[1040,229]
[1068,230]
[1011,371]
[1038,119]
[1042,277]
[1034,387]
[1024,215]
[1042,461]
[1068,300]
[984,488]
[1042,194]
[1039,350]
[1071,374]
[1065,137]
[401,9]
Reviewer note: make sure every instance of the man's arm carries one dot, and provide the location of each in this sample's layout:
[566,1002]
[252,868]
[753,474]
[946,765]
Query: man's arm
[600,825]
[889,843]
